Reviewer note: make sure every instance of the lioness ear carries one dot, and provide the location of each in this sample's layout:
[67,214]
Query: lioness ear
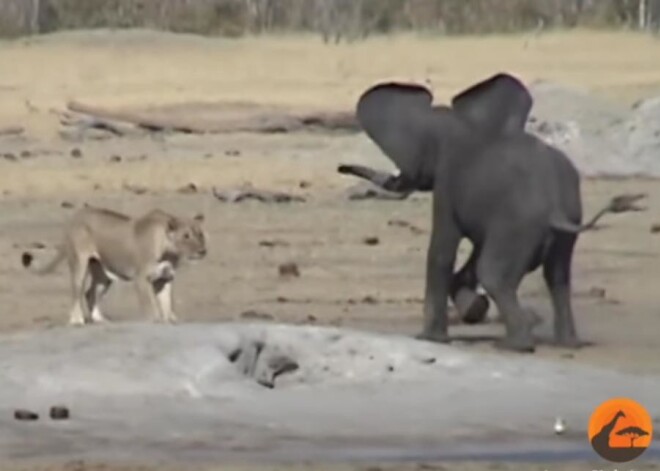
[199,217]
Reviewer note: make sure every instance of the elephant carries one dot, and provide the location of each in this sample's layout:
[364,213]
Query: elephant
[514,197]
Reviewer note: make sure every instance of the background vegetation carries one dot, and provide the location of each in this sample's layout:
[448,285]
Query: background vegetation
[335,20]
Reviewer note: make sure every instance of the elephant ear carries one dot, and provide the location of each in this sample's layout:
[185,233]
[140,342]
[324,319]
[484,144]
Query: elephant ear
[498,105]
[397,117]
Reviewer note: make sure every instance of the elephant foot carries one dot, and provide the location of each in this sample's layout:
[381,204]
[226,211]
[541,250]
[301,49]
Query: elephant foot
[517,344]
[433,337]
[573,343]
[472,307]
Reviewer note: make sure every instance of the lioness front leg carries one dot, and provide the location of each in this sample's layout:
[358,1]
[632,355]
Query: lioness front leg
[163,290]
[148,299]
[80,309]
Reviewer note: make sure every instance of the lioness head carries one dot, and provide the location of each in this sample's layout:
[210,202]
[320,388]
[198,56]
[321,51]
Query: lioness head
[188,236]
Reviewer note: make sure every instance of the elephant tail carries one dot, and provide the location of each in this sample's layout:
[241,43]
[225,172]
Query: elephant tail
[618,204]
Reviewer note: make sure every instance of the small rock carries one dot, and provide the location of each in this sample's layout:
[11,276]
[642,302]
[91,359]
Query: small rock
[560,426]
[369,300]
[282,299]
[232,152]
[115,158]
[568,355]
[289,270]
[428,361]
[655,228]
[9,156]
[66,204]
[304,184]
[188,189]
[597,292]
[401,223]
[252,314]
[390,368]
[136,189]
[59,413]
[371,241]
[24,414]
[273,243]
[311,318]
[26,154]
[76,153]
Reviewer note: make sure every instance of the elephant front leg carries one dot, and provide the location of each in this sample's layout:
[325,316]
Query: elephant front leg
[441,256]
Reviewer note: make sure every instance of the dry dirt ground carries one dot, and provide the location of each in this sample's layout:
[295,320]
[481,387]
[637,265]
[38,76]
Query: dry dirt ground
[343,280]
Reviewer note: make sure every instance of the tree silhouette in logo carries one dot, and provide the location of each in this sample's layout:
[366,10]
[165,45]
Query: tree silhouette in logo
[632,432]
[601,441]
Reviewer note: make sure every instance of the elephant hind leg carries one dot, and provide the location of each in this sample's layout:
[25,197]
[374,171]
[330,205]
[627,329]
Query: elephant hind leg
[503,263]
[557,274]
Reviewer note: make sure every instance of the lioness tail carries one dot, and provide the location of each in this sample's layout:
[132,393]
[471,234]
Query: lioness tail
[27,258]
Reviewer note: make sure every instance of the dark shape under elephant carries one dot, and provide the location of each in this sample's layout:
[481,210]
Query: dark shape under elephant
[516,198]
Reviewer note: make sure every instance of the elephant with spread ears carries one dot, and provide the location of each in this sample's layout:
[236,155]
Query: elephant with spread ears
[516,198]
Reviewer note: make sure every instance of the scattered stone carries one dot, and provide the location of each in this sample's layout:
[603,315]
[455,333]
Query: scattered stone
[25,415]
[26,154]
[369,300]
[59,413]
[190,188]
[256,315]
[289,270]
[371,240]
[304,184]
[282,299]
[232,152]
[311,318]
[655,228]
[273,243]
[428,361]
[568,355]
[247,192]
[401,223]
[597,292]
[136,189]
[276,365]
[66,204]
[364,190]
[9,156]
[115,158]
[390,368]
[76,153]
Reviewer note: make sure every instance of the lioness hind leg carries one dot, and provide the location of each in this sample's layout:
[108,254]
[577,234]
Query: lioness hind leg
[100,283]
[163,290]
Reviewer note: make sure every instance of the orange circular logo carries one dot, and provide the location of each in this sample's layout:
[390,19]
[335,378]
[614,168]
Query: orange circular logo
[620,430]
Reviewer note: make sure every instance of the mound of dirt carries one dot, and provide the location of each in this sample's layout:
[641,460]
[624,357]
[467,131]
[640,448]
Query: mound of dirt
[602,138]
[185,392]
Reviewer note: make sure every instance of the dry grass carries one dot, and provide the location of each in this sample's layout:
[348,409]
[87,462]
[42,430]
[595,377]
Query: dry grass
[142,67]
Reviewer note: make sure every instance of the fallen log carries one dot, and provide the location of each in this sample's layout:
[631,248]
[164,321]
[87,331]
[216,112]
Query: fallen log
[243,119]
[11,131]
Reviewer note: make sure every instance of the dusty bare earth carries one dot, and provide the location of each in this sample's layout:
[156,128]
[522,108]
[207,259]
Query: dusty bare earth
[343,280]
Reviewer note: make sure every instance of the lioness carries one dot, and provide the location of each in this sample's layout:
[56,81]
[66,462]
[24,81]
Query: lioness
[103,245]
